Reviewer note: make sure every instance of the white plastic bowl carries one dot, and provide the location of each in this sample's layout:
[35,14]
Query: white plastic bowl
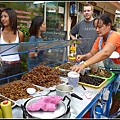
[31,91]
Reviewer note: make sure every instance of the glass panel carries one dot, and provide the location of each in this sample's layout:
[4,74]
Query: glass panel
[55,49]
[55,15]
[51,35]
[25,46]
[57,54]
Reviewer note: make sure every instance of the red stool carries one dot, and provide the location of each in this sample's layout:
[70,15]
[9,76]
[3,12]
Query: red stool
[87,115]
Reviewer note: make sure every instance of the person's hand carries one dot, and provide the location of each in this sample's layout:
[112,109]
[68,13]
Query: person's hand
[32,54]
[79,58]
[80,38]
[78,68]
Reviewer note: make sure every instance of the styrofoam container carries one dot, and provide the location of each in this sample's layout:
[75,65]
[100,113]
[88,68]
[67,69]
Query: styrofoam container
[73,78]
[31,91]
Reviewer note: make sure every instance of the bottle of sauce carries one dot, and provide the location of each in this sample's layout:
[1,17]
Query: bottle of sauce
[1,113]
[72,53]
[6,109]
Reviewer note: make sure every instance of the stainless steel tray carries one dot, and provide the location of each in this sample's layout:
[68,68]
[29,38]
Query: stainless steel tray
[45,91]
[21,101]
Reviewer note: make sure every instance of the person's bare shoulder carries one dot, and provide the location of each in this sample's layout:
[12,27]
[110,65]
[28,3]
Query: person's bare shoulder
[21,35]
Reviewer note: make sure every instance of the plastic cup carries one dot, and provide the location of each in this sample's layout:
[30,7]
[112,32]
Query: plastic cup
[73,78]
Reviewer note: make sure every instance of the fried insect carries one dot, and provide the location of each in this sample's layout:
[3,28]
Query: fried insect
[66,65]
[44,76]
[17,89]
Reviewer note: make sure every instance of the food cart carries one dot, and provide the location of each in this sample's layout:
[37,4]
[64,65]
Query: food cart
[56,54]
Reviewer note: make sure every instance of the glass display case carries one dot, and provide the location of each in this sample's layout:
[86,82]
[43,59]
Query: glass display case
[55,52]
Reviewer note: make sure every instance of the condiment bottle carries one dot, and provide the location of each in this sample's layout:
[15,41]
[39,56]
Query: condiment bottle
[72,53]
[1,113]
[6,109]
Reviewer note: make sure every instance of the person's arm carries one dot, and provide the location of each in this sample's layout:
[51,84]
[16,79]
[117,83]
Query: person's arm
[92,52]
[72,36]
[99,56]
[21,35]
[32,54]
[86,56]
[102,55]
[111,44]
[74,31]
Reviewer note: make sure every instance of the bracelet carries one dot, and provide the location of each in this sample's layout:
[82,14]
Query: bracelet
[85,64]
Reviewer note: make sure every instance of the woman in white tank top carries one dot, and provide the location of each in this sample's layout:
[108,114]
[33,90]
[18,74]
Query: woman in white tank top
[10,64]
